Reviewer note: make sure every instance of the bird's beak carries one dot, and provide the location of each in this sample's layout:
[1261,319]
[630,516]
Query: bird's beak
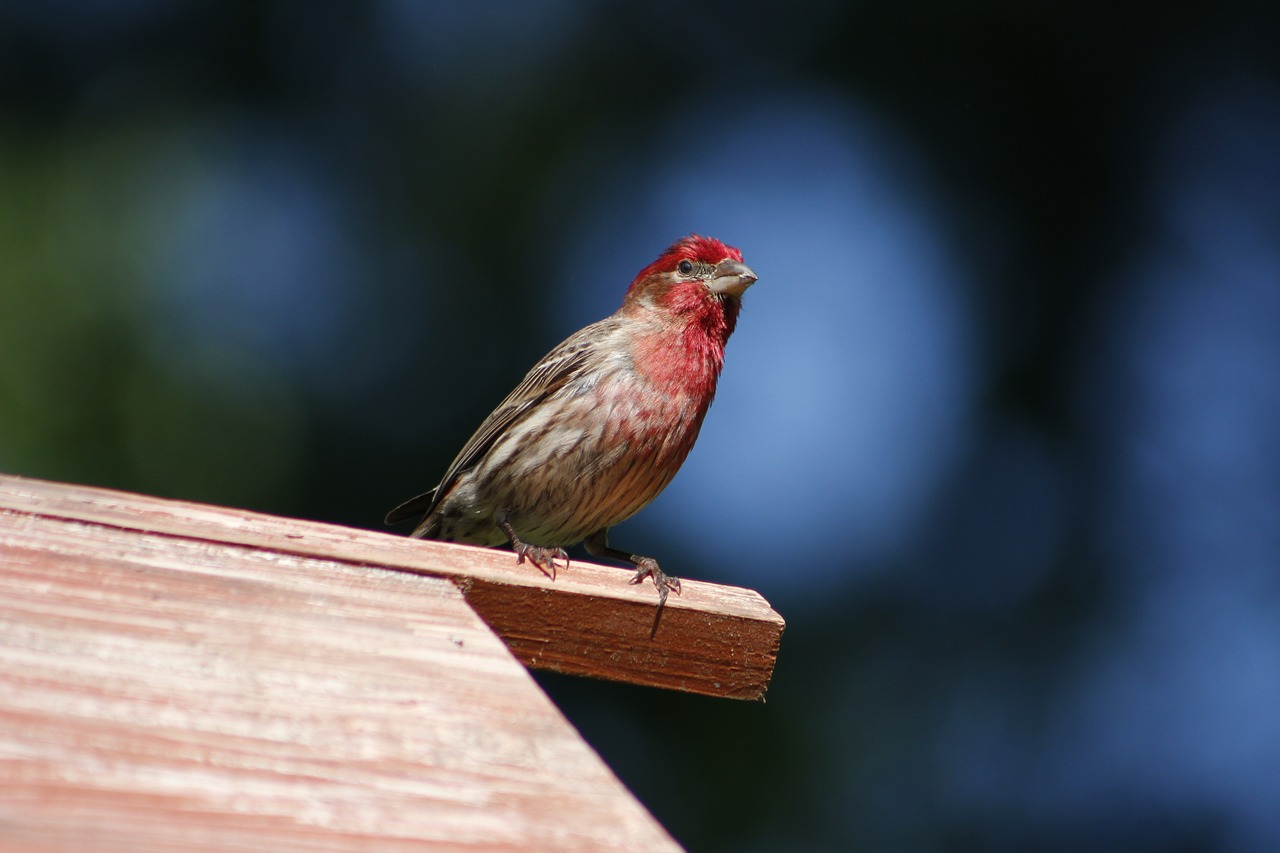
[732,277]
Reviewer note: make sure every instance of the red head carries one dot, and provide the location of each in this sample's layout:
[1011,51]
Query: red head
[695,275]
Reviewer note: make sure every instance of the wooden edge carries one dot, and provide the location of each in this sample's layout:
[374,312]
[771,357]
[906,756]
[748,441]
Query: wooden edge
[714,640]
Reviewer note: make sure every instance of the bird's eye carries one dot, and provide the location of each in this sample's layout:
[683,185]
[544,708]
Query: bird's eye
[685,267]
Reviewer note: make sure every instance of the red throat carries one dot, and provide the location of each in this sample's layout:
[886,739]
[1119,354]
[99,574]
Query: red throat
[685,350]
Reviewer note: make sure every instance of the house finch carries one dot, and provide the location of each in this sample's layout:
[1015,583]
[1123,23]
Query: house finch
[600,425]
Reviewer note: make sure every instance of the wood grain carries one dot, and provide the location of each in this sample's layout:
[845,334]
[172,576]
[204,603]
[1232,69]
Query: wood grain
[168,692]
[715,640]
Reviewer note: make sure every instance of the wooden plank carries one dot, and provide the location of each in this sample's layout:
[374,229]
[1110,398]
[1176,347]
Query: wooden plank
[715,640]
[165,693]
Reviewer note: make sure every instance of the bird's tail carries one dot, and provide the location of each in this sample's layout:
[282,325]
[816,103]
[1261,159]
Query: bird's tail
[415,507]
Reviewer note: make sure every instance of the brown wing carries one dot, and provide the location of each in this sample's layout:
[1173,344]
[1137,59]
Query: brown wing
[549,375]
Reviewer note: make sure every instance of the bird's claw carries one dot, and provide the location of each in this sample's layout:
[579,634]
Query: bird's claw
[542,557]
[663,582]
[647,567]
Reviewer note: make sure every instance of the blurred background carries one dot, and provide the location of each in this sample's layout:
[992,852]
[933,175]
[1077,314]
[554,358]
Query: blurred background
[998,434]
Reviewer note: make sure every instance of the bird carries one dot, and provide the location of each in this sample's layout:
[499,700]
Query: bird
[600,425]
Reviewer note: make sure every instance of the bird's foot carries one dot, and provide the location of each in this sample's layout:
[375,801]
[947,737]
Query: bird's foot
[541,556]
[663,582]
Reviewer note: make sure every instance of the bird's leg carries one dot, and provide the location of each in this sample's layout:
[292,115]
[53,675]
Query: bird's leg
[540,555]
[597,545]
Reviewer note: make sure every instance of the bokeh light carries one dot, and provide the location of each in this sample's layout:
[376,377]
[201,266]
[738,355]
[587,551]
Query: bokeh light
[854,359]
